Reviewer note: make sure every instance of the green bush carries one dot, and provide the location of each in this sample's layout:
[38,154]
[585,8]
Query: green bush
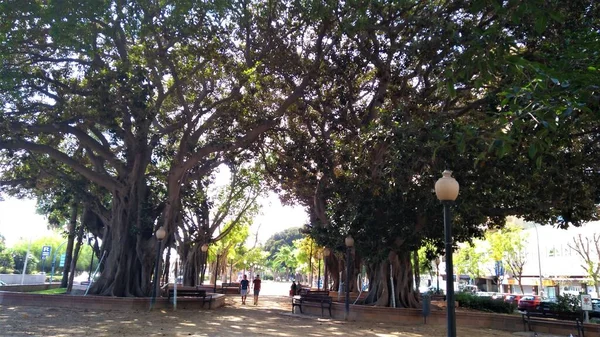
[487,304]
[565,303]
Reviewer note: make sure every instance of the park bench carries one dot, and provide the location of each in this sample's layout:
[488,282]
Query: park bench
[312,297]
[190,293]
[550,317]
[232,287]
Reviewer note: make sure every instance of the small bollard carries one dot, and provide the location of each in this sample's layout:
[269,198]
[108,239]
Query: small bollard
[426,307]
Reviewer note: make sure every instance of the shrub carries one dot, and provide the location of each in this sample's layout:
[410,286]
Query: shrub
[487,304]
[565,303]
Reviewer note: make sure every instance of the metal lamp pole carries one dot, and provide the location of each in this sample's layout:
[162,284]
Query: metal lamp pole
[446,189]
[160,235]
[437,274]
[349,241]
[539,260]
[326,253]
[319,273]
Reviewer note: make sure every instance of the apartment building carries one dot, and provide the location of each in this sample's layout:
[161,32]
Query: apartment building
[551,260]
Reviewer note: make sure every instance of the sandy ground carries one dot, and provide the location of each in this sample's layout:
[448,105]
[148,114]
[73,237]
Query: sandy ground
[272,317]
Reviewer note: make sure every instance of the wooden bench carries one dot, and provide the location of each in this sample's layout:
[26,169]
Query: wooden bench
[312,297]
[533,317]
[228,286]
[190,293]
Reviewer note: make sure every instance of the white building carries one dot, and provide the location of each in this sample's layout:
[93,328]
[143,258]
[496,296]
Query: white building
[549,251]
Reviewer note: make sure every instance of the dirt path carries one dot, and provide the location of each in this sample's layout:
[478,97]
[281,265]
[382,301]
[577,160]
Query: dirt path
[271,317]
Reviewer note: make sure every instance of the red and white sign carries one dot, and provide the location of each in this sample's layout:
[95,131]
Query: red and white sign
[586,303]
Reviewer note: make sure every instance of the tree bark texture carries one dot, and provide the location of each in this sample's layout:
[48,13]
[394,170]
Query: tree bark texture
[76,252]
[130,244]
[70,240]
[379,282]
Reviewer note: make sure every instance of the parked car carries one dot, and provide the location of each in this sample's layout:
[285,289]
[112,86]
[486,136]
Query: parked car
[469,289]
[596,306]
[513,298]
[484,294]
[498,296]
[529,303]
[546,304]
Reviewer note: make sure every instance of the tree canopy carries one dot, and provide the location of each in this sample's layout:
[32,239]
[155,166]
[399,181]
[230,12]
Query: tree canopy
[351,109]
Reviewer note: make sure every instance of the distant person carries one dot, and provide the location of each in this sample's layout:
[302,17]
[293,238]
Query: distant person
[294,289]
[256,285]
[244,284]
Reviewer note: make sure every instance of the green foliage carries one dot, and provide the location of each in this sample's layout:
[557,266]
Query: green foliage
[284,238]
[566,303]
[7,263]
[488,304]
[286,258]
[55,291]
[469,261]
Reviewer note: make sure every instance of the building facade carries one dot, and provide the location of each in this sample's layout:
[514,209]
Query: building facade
[551,260]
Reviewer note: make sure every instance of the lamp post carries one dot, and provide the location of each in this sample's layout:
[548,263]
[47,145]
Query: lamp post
[204,249]
[216,272]
[326,253]
[160,235]
[437,274]
[539,260]
[319,256]
[349,241]
[446,189]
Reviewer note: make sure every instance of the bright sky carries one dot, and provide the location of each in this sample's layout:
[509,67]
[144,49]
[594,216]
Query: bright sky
[18,219]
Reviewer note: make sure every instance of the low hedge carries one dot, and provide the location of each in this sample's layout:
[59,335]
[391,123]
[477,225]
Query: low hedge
[487,304]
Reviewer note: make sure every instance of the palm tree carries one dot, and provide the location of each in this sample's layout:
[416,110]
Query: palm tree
[286,258]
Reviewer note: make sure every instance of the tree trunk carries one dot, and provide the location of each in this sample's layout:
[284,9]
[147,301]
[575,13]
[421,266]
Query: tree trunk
[380,288]
[520,285]
[75,259]
[71,238]
[333,269]
[416,269]
[192,265]
[131,247]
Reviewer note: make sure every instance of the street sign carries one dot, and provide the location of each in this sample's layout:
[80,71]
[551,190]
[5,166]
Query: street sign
[46,251]
[62,260]
[586,303]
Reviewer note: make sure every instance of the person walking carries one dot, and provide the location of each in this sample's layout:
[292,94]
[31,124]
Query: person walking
[256,285]
[244,284]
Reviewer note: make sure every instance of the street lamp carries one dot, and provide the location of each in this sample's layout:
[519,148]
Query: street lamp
[160,235]
[326,253]
[216,272]
[446,189]
[319,256]
[349,241]
[541,287]
[204,249]
[437,274]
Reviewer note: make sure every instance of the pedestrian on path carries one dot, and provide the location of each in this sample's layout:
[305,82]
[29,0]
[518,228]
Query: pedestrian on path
[256,285]
[244,284]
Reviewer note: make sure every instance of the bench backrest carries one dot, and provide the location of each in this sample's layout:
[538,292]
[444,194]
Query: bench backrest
[318,292]
[316,297]
[188,291]
[230,285]
[567,316]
